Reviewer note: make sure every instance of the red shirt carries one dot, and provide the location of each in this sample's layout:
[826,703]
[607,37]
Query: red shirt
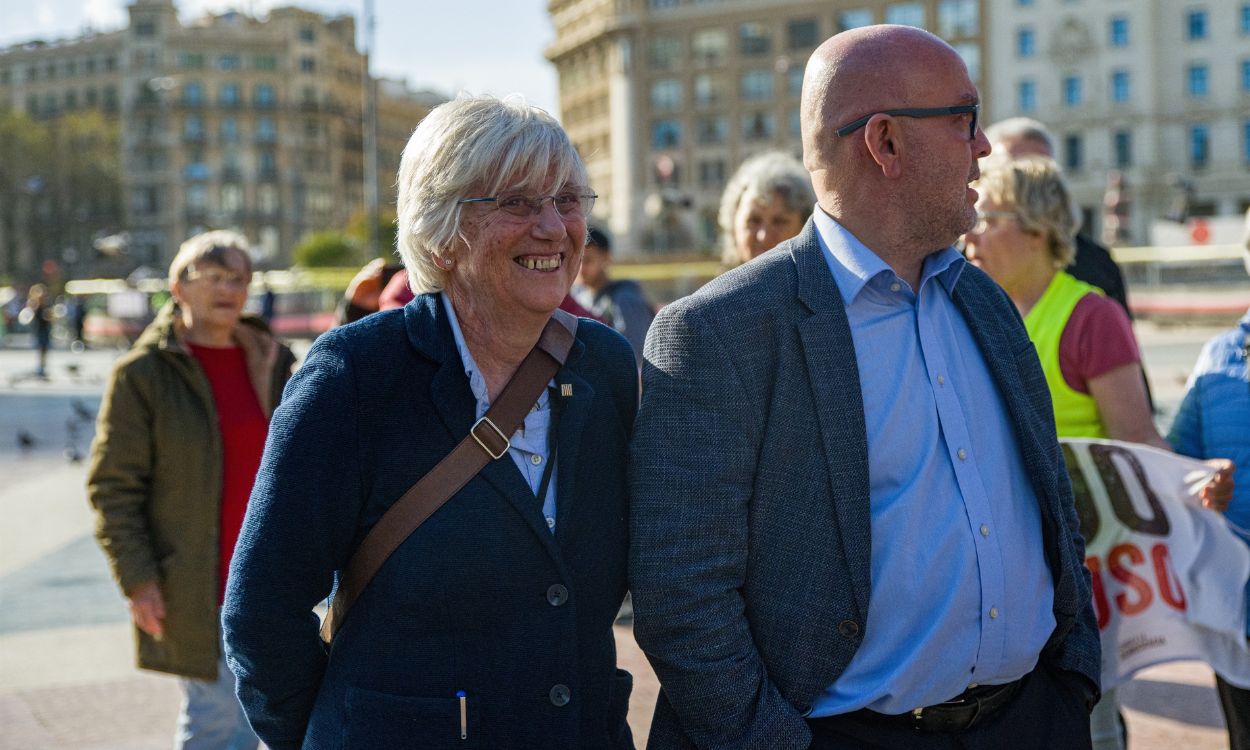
[1098,339]
[243,428]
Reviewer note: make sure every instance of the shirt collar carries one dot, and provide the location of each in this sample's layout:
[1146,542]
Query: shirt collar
[854,265]
[477,383]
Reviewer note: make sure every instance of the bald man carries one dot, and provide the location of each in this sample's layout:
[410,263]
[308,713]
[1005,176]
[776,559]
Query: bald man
[850,522]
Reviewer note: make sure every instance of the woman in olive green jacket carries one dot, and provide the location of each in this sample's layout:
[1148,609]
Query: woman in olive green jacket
[160,466]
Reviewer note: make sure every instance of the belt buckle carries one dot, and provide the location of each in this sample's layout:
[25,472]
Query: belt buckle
[506,442]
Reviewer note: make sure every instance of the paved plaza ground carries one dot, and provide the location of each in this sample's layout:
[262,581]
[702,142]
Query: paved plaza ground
[66,676]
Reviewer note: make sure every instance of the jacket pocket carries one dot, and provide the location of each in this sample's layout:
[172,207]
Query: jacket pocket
[384,720]
[618,710]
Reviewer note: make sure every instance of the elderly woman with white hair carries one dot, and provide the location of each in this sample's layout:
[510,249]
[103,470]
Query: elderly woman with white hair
[767,200]
[472,608]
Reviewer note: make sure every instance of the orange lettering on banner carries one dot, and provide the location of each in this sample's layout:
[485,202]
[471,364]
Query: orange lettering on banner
[1101,608]
[1123,574]
[1169,587]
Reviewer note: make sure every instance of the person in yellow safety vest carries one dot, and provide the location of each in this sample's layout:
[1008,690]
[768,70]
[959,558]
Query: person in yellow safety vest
[1023,238]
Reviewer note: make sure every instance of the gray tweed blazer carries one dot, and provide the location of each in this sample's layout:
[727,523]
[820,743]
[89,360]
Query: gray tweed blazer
[750,528]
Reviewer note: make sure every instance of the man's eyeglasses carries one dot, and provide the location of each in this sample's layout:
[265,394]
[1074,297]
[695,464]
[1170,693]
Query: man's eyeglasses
[569,203]
[215,277]
[962,109]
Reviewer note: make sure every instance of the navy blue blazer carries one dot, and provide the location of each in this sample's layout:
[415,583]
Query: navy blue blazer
[482,598]
[750,518]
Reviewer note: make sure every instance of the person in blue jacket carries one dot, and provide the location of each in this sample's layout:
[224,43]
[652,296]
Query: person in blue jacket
[491,625]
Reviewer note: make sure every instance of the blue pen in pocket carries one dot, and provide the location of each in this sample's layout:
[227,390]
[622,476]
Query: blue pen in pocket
[464,715]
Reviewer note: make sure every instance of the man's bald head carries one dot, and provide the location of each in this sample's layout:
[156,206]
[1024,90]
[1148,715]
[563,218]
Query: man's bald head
[860,71]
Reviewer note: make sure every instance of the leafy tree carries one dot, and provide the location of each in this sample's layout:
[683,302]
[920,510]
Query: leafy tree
[330,247]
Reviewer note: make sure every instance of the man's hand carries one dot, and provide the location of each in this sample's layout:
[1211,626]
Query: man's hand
[1218,493]
[147,608]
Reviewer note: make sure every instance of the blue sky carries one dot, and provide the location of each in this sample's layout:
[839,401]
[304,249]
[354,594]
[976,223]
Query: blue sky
[480,46]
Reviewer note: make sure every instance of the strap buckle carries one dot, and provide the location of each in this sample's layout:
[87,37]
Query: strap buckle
[506,442]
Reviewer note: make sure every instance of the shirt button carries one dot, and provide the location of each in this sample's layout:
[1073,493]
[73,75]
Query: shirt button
[941,380]
[551,522]
[557,594]
[895,287]
[536,459]
[963,454]
[985,530]
[560,695]
[993,613]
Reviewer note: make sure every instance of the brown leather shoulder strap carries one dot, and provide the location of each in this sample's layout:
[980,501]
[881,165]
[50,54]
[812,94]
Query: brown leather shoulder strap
[486,441]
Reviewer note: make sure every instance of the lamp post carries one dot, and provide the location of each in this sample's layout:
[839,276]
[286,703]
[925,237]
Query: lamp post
[370,126]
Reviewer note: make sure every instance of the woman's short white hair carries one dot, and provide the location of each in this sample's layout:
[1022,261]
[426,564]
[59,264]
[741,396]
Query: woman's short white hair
[472,147]
[1033,189]
[208,247]
[764,175]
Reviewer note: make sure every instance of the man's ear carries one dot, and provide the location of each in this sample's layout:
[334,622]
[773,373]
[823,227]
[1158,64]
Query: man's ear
[883,140]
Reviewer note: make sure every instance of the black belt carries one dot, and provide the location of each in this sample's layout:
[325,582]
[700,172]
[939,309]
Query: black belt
[964,711]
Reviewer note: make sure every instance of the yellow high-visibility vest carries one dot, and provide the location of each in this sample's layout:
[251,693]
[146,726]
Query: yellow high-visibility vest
[1076,413]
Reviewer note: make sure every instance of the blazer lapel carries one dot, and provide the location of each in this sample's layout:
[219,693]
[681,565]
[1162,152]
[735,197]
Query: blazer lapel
[831,368]
[449,389]
[572,412]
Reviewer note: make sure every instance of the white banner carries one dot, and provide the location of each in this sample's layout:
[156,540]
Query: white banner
[1169,576]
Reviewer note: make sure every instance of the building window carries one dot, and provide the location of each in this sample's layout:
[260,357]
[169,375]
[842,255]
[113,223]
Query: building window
[753,39]
[1196,78]
[795,118]
[191,60]
[193,128]
[665,52]
[1245,18]
[1123,147]
[1120,86]
[665,134]
[712,174]
[110,98]
[229,130]
[906,14]
[146,27]
[708,91]
[1245,75]
[794,80]
[970,52]
[666,94]
[1072,91]
[958,18]
[307,34]
[1026,96]
[853,19]
[229,62]
[758,126]
[230,95]
[1024,3]
[265,62]
[1245,140]
[143,200]
[1199,145]
[1196,24]
[71,68]
[710,46]
[89,66]
[1026,42]
[711,131]
[265,130]
[756,85]
[231,198]
[32,105]
[267,199]
[263,96]
[91,97]
[193,94]
[1117,31]
[307,65]
[662,4]
[1073,158]
[266,163]
[803,33]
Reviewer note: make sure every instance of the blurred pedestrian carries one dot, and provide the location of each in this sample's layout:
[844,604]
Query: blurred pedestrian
[767,200]
[1214,420]
[849,523]
[37,317]
[178,441]
[1024,238]
[487,618]
[363,292]
[621,303]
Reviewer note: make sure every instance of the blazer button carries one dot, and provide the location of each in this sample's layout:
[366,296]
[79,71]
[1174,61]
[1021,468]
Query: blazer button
[849,629]
[557,594]
[560,695]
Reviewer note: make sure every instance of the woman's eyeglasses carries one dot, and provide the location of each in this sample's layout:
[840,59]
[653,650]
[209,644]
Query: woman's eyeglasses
[567,203]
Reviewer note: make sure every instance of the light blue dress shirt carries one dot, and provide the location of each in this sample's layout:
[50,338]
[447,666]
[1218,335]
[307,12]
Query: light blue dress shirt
[961,591]
[529,449]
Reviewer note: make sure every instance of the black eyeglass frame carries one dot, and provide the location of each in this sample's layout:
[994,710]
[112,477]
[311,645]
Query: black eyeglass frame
[586,201]
[921,112]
